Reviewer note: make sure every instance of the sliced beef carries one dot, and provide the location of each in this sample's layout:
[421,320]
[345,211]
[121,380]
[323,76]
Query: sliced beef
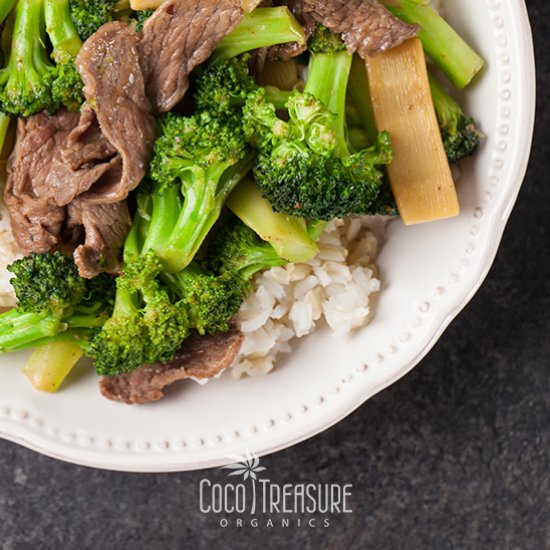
[180,35]
[200,357]
[87,158]
[107,154]
[366,26]
[103,227]
[35,218]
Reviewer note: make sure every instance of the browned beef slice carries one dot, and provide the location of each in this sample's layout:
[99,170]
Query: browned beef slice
[107,155]
[366,26]
[105,227]
[86,158]
[36,220]
[180,35]
[200,357]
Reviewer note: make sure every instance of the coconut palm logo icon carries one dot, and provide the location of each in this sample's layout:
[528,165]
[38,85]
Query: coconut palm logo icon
[248,467]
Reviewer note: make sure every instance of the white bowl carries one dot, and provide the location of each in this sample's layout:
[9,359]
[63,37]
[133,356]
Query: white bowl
[429,273]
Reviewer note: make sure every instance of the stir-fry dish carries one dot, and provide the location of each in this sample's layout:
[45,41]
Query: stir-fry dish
[191,185]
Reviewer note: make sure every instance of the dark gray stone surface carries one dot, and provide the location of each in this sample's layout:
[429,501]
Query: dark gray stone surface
[454,456]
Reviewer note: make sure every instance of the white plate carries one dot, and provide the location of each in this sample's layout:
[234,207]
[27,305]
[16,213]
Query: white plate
[429,273]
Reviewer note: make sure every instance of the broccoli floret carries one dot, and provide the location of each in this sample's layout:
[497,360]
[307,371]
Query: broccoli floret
[67,85]
[237,249]
[458,61]
[305,166]
[146,325]
[324,41]
[142,16]
[25,82]
[155,311]
[89,15]
[54,303]
[459,132]
[54,272]
[210,301]
[303,169]
[31,81]
[224,87]
[197,162]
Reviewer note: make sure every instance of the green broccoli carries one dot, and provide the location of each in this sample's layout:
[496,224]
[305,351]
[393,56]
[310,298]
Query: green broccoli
[261,28]
[25,82]
[288,235]
[4,127]
[459,132]
[5,8]
[237,249]
[458,61]
[54,303]
[146,325]
[67,83]
[31,81]
[197,161]
[141,16]
[210,301]
[305,166]
[223,88]
[155,310]
[89,15]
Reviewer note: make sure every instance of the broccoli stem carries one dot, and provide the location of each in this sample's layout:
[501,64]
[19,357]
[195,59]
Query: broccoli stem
[327,81]
[5,8]
[4,126]
[359,94]
[177,230]
[315,228]
[446,108]
[458,61]
[358,138]
[124,304]
[328,75]
[29,328]
[62,32]
[165,209]
[459,132]
[276,96]
[20,330]
[261,28]
[287,234]
[78,336]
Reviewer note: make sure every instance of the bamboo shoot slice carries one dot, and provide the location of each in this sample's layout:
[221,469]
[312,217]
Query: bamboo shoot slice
[419,173]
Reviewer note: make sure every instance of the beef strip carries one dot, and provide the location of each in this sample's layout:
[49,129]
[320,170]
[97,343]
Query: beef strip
[104,227]
[39,224]
[107,154]
[86,158]
[178,37]
[35,219]
[366,26]
[200,357]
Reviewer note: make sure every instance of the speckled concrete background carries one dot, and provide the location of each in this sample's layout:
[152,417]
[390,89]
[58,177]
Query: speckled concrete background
[454,456]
